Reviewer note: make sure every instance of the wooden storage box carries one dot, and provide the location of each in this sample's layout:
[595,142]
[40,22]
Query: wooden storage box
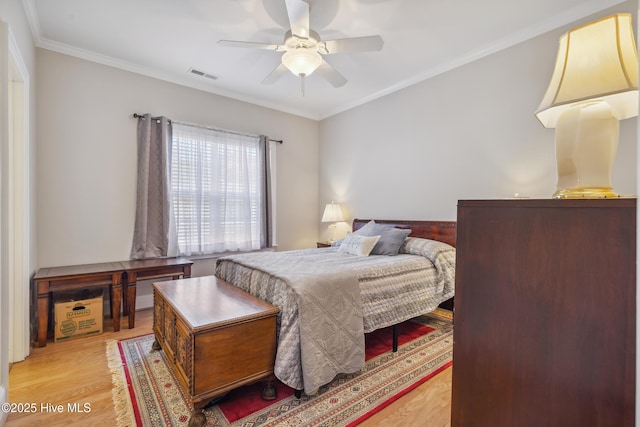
[216,336]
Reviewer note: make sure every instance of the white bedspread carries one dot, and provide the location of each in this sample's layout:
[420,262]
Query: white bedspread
[392,289]
[329,312]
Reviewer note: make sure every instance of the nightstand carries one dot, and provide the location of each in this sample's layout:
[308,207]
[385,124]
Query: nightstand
[323,244]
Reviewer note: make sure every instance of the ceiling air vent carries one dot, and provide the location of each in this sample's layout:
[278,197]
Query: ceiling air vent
[202,74]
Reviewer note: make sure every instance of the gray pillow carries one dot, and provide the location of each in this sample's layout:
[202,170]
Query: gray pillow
[390,241]
[367,230]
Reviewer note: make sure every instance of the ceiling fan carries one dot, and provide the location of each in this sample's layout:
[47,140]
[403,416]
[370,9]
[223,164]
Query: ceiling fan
[303,48]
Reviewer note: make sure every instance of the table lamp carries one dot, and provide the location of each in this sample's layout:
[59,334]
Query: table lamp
[593,86]
[332,213]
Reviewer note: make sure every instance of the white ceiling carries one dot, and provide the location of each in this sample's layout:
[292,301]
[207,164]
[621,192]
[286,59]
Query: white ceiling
[165,38]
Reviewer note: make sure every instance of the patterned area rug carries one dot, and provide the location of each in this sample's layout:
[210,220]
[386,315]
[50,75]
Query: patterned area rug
[147,393]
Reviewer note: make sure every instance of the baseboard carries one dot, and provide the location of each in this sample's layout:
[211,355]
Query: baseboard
[4,398]
[144,301]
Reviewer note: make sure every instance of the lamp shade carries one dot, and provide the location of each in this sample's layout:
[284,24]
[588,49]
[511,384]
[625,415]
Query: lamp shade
[302,61]
[332,213]
[597,61]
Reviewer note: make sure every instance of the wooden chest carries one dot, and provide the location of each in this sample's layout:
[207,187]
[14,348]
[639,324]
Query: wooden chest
[216,336]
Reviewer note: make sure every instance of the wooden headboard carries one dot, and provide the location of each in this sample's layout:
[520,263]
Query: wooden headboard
[442,231]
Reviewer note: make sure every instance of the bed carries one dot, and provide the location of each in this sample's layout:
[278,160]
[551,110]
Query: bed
[329,299]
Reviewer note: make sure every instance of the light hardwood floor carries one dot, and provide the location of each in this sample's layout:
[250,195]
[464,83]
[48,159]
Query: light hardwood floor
[76,372]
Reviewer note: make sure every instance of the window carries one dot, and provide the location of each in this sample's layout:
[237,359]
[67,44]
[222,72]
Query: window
[218,191]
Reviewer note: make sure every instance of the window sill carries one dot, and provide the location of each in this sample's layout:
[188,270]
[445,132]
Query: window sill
[223,254]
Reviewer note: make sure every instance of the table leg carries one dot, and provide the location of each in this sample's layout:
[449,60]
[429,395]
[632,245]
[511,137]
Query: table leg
[111,300]
[125,285]
[131,298]
[43,318]
[116,300]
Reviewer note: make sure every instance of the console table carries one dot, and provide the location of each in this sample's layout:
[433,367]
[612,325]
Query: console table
[144,269]
[115,275]
[75,277]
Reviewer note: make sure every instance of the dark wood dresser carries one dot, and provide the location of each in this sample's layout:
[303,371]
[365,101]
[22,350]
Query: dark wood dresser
[544,325]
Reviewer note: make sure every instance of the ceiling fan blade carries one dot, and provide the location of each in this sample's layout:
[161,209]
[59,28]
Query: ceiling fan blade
[275,75]
[298,11]
[355,44]
[251,45]
[331,75]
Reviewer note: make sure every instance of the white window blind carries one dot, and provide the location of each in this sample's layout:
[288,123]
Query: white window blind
[216,187]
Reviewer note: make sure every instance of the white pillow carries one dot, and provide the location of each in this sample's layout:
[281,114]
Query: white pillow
[355,244]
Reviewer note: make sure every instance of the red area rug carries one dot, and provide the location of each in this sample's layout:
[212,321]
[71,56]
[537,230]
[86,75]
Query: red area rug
[146,392]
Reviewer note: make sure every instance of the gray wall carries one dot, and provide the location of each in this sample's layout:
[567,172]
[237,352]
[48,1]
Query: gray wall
[87,156]
[86,153]
[469,133]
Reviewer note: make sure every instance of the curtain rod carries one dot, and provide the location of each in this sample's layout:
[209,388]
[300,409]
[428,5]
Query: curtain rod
[141,116]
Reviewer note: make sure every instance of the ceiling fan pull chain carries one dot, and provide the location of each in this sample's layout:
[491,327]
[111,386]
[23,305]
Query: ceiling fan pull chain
[302,83]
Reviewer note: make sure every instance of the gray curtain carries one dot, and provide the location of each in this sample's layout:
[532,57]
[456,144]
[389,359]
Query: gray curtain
[153,207]
[265,155]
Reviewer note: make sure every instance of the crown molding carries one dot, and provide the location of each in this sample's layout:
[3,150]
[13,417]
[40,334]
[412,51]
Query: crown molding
[583,10]
[154,73]
[31,13]
[42,42]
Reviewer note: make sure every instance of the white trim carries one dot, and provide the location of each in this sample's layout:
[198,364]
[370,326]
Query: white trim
[4,207]
[556,21]
[19,204]
[586,8]
[186,80]
[4,398]
[144,301]
[31,12]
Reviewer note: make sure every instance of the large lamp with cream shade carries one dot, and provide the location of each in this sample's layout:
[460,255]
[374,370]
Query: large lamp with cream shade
[332,213]
[593,86]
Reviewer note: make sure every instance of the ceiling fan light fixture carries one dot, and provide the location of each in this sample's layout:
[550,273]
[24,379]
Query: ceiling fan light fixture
[303,48]
[302,62]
